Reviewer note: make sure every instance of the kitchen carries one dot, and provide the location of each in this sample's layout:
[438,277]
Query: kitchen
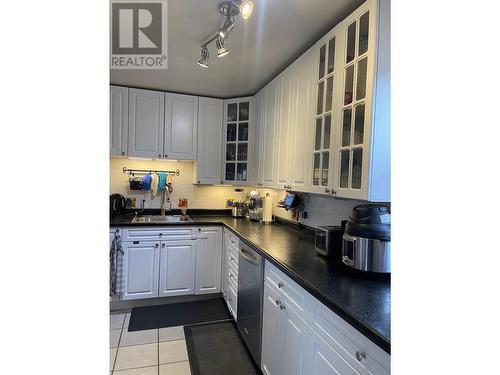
[269,212]
[214,187]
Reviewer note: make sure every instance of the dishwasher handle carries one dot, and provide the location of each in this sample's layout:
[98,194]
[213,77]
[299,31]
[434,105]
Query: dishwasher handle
[250,256]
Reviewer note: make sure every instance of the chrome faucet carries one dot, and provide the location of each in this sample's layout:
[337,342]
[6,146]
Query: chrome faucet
[162,203]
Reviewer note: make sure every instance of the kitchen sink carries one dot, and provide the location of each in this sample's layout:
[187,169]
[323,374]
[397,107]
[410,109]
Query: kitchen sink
[162,219]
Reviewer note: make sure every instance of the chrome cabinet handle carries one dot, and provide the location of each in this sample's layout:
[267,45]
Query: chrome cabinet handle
[278,302]
[159,155]
[327,191]
[157,244]
[166,155]
[162,245]
[232,258]
[123,152]
[360,355]
[280,285]
[282,307]
[161,234]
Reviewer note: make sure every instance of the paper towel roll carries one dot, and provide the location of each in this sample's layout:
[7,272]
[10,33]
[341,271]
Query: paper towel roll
[267,212]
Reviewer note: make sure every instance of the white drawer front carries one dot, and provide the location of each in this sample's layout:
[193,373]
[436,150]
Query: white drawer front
[232,259]
[291,291]
[232,276]
[347,341]
[233,300]
[164,234]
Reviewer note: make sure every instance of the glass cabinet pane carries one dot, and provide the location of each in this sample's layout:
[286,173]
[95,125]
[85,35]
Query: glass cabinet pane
[359,124]
[361,80]
[317,138]
[241,173]
[344,168]
[326,136]
[232,112]
[242,151]
[324,168]
[349,78]
[331,55]
[346,127]
[363,34]
[231,132]
[244,109]
[319,107]
[357,161]
[231,151]
[316,169]
[351,42]
[322,53]
[329,93]
[243,132]
[230,169]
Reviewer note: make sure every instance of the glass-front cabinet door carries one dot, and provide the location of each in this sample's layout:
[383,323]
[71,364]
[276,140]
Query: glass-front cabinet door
[325,76]
[354,108]
[237,137]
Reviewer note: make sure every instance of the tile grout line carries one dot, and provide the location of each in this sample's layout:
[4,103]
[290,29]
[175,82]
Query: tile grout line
[118,345]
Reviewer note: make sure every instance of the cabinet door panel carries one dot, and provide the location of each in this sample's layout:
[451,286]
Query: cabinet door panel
[208,260]
[118,121]
[269,135]
[283,126]
[295,335]
[177,268]
[271,314]
[181,127]
[209,153]
[146,114]
[140,268]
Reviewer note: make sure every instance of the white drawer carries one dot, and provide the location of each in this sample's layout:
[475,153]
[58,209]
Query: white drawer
[232,238]
[347,341]
[232,259]
[160,233]
[232,276]
[291,291]
[233,301]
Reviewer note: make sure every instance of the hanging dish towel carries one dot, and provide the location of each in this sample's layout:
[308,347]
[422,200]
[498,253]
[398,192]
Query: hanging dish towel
[146,182]
[154,184]
[162,181]
[116,280]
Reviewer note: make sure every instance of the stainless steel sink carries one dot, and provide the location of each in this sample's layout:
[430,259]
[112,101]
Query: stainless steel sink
[162,219]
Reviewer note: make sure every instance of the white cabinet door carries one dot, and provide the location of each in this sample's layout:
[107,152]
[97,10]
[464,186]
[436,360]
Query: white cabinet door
[271,335]
[140,268]
[283,128]
[118,122]
[208,260]
[146,112]
[177,268]
[323,360]
[295,335]
[209,153]
[268,135]
[181,125]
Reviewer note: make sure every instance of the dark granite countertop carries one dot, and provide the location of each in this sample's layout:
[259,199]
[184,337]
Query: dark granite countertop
[363,300]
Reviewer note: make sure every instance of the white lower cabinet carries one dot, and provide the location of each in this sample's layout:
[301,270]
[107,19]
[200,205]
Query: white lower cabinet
[177,268]
[141,267]
[208,260]
[230,272]
[300,335]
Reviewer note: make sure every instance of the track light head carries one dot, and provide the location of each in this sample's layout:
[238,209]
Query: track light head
[203,62]
[219,43]
[246,8]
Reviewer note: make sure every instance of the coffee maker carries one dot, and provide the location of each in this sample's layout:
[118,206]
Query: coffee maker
[255,206]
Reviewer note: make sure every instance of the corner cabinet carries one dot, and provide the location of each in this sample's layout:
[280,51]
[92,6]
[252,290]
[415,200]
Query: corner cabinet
[208,167]
[118,129]
[237,140]
[351,126]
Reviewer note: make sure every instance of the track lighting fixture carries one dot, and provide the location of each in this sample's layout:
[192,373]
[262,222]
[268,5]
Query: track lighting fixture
[230,9]
[204,57]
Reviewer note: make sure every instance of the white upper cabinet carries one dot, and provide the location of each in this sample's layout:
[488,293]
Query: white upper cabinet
[237,135]
[209,153]
[181,125]
[268,130]
[283,150]
[118,121]
[146,125]
[208,260]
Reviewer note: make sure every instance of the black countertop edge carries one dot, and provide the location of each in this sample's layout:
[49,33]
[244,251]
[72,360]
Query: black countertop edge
[366,330]
[372,335]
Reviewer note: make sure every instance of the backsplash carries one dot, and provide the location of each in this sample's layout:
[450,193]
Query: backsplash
[321,210]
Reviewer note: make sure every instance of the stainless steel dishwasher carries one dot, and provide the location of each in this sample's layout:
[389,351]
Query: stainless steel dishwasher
[250,292]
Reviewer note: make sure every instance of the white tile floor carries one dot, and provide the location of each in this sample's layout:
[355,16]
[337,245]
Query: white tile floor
[153,352]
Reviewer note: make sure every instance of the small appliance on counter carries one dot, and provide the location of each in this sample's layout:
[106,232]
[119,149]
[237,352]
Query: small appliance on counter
[328,242]
[367,239]
[239,208]
[116,204]
[255,206]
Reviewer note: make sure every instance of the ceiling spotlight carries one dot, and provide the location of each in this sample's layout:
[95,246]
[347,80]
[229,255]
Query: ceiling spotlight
[219,43]
[204,57]
[246,8]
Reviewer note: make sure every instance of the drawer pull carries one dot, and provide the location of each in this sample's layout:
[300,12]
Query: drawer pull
[360,355]
[282,307]
[278,302]
[280,285]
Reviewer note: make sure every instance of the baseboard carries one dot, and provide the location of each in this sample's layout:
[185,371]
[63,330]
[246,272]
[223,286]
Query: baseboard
[126,306]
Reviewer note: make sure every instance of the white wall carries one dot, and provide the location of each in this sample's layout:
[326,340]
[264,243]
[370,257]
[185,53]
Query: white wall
[321,210]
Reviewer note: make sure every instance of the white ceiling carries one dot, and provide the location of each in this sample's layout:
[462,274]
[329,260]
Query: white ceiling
[259,48]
